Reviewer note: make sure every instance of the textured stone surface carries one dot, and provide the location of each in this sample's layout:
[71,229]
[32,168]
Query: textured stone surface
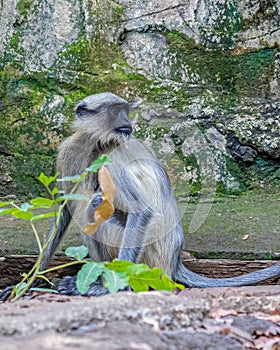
[196,318]
[170,311]
[214,64]
[42,28]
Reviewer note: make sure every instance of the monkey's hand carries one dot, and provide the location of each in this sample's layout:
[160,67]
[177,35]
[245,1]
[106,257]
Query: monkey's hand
[95,201]
[68,286]
[6,293]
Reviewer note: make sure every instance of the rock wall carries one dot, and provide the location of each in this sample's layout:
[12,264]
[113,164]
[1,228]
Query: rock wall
[207,73]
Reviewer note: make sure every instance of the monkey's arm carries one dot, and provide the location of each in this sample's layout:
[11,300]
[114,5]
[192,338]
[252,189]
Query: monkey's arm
[133,235]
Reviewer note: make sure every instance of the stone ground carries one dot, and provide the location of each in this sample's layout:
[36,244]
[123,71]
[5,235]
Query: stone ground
[225,318]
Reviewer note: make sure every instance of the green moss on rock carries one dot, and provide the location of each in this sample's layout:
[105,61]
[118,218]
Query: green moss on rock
[23,6]
[267,10]
[219,33]
[231,74]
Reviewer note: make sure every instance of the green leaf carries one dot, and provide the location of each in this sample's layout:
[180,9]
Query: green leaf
[164,282]
[19,288]
[55,191]
[41,202]
[74,178]
[78,253]
[126,266]
[72,197]
[44,216]
[6,211]
[46,180]
[155,278]
[3,204]
[43,290]
[179,286]
[20,214]
[98,163]
[25,206]
[87,275]
[115,281]
[138,284]
[119,265]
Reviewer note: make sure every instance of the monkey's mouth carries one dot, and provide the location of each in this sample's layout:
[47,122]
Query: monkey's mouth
[124,130]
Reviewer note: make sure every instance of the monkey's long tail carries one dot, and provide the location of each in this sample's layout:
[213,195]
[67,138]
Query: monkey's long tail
[192,279]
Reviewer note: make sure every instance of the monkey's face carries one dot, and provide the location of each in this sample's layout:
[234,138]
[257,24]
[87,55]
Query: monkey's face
[105,117]
[120,123]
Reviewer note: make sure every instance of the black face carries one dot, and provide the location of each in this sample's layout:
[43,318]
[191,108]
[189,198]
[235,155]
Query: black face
[110,116]
[120,121]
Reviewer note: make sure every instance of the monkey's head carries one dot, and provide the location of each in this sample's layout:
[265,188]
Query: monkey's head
[104,118]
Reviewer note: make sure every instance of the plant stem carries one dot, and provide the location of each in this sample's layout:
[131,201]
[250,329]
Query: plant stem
[36,236]
[14,205]
[63,266]
[35,271]
[32,279]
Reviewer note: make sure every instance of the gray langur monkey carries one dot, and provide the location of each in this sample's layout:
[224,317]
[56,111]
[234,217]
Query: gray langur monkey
[145,227]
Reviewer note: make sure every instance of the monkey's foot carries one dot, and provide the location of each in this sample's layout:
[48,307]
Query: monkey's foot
[97,290]
[67,286]
[6,293]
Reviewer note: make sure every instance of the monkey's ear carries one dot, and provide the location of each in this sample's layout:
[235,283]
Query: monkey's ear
[81,110]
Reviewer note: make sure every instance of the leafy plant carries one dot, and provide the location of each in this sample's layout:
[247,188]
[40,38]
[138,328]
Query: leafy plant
[117,274]
[57,201]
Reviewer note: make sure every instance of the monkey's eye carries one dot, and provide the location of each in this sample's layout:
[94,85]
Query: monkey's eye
[82,110]
[118,110]
[113,111]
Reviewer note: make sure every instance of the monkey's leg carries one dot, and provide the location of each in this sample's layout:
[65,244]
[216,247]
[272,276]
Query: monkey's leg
[60,231]
[133,235]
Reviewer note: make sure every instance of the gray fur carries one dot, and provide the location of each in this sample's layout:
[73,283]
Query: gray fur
[146,226]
